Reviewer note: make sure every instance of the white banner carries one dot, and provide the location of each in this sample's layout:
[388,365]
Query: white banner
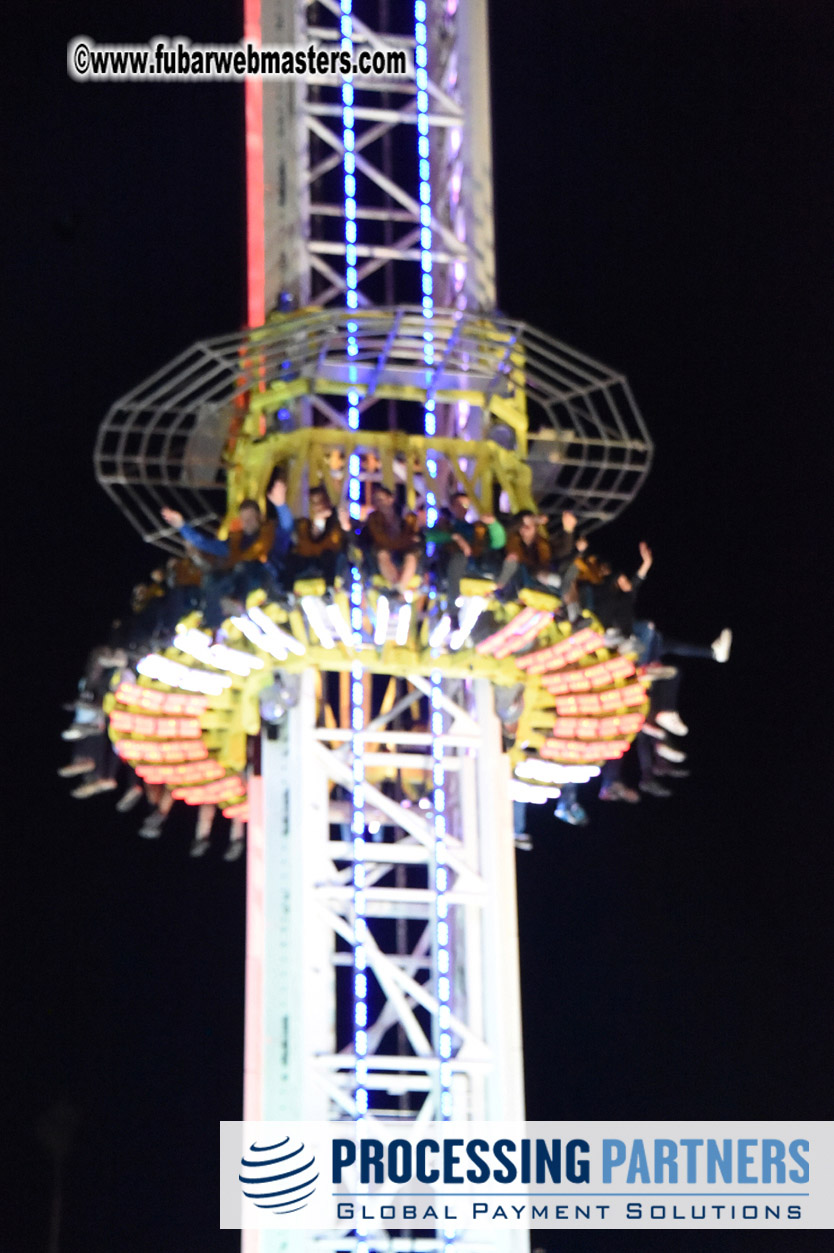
[372,1176]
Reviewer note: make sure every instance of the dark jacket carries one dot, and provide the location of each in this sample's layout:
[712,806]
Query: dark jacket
[614,607]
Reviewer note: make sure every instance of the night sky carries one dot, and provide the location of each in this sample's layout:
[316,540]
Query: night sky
[664,200]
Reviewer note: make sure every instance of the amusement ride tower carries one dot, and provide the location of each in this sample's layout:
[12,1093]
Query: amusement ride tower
[382,972]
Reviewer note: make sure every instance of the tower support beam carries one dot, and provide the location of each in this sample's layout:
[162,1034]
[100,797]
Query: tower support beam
[302,925]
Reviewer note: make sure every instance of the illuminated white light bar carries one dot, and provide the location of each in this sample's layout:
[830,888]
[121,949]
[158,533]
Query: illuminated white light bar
[257,637]
[473,607]
[200,647]
[186,678]
[336,620]
[313,607]
[282,638]
[536,770]
[440,631]
[403,624]
[383,611]
[532,793]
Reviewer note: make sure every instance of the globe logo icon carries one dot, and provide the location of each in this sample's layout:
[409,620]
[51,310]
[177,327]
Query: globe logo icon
[278,1177]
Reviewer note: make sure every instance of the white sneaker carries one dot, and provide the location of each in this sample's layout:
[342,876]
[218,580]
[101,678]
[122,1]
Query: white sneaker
[669,754]
[721,647]
[85,790]
[131,797]
[113,658]
[93,788]
[655,671]
[81,730]
[672,722]
[83,765]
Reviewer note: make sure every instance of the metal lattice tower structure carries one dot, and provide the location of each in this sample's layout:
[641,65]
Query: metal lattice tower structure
[382,958]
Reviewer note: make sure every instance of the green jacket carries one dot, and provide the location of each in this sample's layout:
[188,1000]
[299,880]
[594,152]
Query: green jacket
[480,536]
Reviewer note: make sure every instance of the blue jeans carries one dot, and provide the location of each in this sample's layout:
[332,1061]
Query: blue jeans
[234,584]
[654,645]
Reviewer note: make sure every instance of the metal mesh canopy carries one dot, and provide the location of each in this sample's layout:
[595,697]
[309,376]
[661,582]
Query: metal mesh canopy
[572,418]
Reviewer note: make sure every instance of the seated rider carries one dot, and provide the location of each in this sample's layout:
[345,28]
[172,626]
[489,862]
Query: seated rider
[184,578]
[468,547]
[589,572]
[392,540]
[240,558]
[614,606]
[565,547]
[319,542]
[612,599]
[146,604]
[276,562]
[528,557]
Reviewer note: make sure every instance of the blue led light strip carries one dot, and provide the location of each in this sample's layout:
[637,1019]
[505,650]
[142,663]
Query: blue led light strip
[443,1035]
[357,690]
[441,922]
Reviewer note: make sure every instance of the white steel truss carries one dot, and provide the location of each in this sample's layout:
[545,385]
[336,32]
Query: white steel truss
[296,150]
[423,1045]
[300,1060]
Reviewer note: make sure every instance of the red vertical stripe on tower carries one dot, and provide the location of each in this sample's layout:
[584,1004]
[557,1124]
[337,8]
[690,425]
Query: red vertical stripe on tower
[255,231]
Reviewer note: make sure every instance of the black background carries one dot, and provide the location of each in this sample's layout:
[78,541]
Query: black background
[663,191]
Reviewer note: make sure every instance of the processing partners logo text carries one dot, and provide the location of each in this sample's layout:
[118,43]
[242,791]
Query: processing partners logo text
[383,1176]
[278,1177]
